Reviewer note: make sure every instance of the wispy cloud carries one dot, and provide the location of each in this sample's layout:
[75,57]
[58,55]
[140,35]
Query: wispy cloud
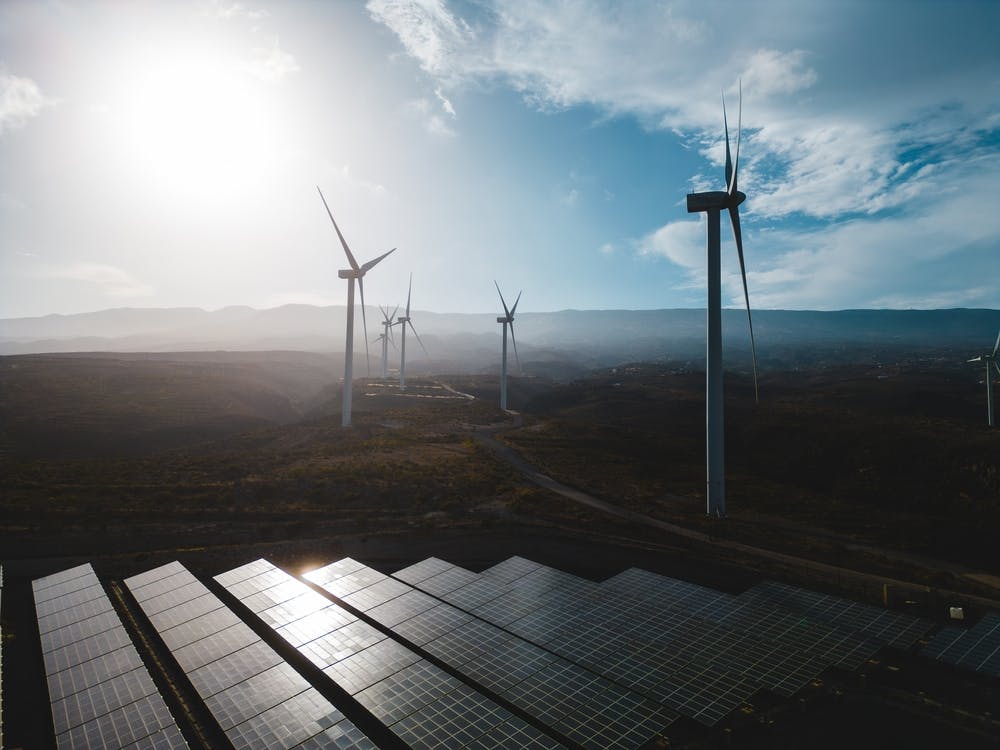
[271,63]
[436,118]
[229,10]
[110,280]
[20,100]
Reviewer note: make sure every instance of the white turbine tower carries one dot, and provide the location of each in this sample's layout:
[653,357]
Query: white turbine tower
[991,361]
[507,320]
[404,321]
[386,338]
[352,273]
[713,203]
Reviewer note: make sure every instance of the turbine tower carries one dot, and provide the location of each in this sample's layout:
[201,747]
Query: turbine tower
[991,361]
[507,320]
[404,321]
[352,273]
[386,337]
[713,203]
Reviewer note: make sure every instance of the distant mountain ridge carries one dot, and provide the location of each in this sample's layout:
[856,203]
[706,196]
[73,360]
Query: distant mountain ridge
[588,336]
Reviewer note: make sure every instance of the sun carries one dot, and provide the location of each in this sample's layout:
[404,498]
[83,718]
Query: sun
[195,121]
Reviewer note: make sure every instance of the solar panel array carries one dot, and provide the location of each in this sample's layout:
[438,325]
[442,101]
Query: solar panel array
[420,703]
[692,649]
[976,648]
[100,692]
[533,656]
[587,708]
[257,698]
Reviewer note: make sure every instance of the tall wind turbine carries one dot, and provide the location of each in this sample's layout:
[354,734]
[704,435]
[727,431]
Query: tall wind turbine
[404,321]
[386,337]
[352,273]
[713,203]
[989,359]
[507,320]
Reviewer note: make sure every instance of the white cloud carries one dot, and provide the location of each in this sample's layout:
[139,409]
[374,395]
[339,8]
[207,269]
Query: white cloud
[434,122]
[271,63]
[770,71]
[20,100]
[606,249]
[445,103]
[238,10]
[111,280]
[428,30]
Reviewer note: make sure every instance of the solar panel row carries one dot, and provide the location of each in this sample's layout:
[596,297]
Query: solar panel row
[100,692]
[257,699]
[583,706]
[976,648]
[698,651]
[421,704]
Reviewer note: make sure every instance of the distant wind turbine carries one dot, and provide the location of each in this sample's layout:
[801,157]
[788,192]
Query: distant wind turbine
[352,273]
[507,320]
[991,362]
[386,338]
[713,203]
[404,321]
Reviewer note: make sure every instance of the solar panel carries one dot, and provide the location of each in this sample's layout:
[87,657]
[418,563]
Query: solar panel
[976,649]
[420,703]
[257,699]
[499,661]
[101,694]
[693,649]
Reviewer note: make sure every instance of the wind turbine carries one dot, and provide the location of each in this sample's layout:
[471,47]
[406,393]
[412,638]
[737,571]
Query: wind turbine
[507,320]
[404,320]
[352,273]
[713,204]
[386,337]
[989,359]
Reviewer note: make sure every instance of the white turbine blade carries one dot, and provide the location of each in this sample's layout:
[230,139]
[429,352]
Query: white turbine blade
[975,359]
[514,308]
[372,263]
[734,215]
[364,322]
[514,342]
[393,316]
[996,346]
[729,158]
[409,290]
[350,255]
[996,365]
[502,300]
[731,187]
[418,337]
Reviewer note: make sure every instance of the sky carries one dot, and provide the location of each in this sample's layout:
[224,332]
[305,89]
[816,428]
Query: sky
[167,154]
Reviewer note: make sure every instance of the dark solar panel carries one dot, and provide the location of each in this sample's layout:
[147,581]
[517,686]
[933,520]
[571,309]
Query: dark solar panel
[101,694]
[419,702]
[976,649]
[257,699]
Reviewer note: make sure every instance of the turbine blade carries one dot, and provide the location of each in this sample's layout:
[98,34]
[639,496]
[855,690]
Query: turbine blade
[364,322]
[731,187]
[502,300]
[975,359]
[372,263]
[734,215]
[409,290]
[350,255]
[418,338]
[514,342]
[996,346]
[393,316]
[729,158]
[514,308]
[996,365]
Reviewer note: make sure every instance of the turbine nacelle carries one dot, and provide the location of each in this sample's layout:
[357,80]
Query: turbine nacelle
[718,199]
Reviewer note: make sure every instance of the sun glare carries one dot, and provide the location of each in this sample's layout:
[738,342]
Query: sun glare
[195,122]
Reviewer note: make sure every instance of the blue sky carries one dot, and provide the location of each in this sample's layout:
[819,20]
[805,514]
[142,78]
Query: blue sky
[159,154]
